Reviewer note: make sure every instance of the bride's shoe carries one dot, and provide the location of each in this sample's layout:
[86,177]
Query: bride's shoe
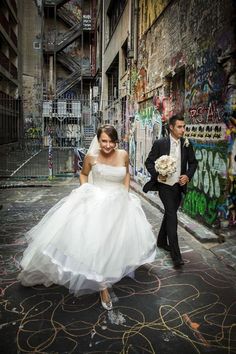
[107,305]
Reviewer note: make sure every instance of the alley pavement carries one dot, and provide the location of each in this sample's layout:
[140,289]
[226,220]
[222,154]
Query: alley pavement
[221,242]
[159,310]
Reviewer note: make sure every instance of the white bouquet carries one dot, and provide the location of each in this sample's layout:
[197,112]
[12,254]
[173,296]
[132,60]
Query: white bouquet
[165,165]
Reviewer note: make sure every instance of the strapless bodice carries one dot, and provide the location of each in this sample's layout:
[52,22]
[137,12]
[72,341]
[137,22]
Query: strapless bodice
[107,175]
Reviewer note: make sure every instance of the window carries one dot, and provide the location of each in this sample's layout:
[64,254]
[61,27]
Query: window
[177,90]
[124,57]
[36,45]
[113,76]
[114,12]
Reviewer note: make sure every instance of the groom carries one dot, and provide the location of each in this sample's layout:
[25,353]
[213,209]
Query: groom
[171,188]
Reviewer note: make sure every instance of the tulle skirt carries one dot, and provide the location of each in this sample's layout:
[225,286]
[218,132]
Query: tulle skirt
[88,241]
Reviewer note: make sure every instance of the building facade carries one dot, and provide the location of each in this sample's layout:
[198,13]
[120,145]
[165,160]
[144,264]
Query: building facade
[11,121]
[116,48]
[68,69]
[179,58]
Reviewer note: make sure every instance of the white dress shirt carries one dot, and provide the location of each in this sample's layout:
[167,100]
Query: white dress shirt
[175,151]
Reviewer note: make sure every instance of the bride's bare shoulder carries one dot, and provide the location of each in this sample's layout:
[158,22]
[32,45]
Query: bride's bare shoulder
[90,158]
[123,154]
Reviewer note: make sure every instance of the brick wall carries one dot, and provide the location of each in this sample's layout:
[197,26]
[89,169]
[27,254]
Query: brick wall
[186,63]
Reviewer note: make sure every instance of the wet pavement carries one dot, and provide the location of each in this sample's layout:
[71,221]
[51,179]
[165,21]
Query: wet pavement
[162,310]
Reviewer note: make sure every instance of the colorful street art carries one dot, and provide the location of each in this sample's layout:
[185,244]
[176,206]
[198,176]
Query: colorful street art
[168,105]
[204,82]
[206,132]
[196,79]
[208,103]
[147,127]
[208,187]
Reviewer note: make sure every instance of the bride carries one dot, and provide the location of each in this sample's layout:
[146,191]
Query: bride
[95,236]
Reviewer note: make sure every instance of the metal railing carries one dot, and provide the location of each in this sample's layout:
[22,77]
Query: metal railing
[71,63]
[48,147]
[57,42]
[67,16]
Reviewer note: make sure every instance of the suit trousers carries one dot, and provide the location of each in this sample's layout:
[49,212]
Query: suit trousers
[171,198]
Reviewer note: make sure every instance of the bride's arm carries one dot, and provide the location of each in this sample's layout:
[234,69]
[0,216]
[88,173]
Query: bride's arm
[127,176]
[83,177]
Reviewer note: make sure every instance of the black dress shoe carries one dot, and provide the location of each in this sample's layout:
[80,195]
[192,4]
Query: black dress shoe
[178,263]
[165,247]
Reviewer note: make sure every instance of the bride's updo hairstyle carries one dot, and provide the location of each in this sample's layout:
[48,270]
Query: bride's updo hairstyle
[110,131]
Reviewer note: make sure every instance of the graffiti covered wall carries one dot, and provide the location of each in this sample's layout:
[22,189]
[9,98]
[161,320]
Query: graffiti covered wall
[188,66]
[147,127]
[149,11]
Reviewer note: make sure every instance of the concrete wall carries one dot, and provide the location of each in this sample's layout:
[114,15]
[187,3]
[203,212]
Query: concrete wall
[31,52]
[112,47]
[186,63]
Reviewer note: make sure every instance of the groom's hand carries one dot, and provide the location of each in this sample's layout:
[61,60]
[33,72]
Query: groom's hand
[161,178]
[183,179]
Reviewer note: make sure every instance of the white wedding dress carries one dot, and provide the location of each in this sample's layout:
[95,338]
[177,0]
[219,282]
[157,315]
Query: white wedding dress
[91,238]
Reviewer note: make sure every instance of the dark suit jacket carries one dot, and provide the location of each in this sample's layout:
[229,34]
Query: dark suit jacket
[162,147]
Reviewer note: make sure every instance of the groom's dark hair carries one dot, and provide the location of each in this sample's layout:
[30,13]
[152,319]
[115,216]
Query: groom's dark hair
[173,119]
[110,131]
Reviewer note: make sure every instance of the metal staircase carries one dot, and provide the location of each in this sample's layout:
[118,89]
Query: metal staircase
[72,64]
[68,83]
[62,40]
[67,16]
[69,62]
[55,43]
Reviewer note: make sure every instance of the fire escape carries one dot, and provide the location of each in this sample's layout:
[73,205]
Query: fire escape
[69,64]
[56,42]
